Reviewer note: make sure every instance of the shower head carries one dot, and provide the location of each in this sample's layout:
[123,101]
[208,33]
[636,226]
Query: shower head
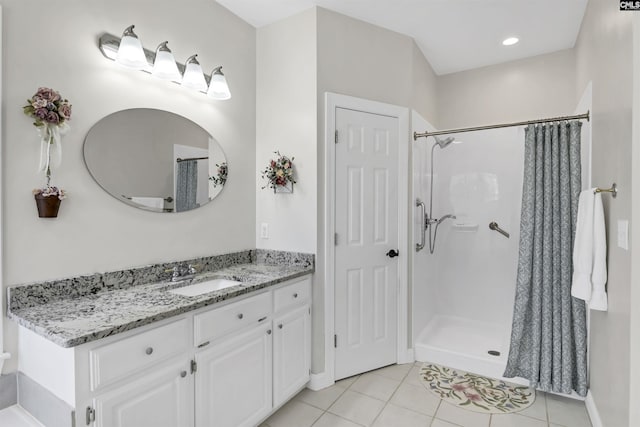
[444,142]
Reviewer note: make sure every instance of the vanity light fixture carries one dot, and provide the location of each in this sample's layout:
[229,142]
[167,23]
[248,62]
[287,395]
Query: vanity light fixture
[129,52]
[218,88]
[164,66]
[193,77]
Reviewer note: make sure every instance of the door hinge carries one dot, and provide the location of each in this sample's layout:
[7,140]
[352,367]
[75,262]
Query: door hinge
[336,136]
[194,366]
[90,415]
[335,239]
[335,341]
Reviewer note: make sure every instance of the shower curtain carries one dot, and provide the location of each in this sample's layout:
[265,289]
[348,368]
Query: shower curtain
[186,185]
[549,333]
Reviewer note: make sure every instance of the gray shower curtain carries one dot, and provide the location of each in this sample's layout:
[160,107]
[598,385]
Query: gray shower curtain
[549,333]
[186,185]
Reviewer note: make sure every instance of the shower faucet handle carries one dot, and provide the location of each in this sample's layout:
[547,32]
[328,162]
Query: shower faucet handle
[495,227]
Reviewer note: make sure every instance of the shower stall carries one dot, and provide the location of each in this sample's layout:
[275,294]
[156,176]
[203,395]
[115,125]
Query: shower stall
[463,292]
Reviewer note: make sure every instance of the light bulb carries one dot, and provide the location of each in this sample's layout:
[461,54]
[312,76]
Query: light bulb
[218,88]
[193,77]
[164,66]
[130,52]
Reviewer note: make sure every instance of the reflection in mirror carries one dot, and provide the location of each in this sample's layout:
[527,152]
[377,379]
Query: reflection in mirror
[155,160]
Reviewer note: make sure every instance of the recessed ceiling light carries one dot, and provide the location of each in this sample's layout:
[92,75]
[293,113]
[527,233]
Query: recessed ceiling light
[510,41]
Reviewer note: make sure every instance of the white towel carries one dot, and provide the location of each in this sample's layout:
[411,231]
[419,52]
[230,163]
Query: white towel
[151,202]
[590,252]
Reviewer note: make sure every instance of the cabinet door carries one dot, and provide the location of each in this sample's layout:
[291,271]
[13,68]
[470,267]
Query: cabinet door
[291,353]
[234,380]
[163,397]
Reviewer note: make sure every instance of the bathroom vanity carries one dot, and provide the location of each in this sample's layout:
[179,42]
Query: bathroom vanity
[225,358]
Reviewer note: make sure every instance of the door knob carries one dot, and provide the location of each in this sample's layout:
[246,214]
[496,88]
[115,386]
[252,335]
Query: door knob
[393,253]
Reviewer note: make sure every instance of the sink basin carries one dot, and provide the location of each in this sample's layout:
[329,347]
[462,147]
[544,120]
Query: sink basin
[205,287]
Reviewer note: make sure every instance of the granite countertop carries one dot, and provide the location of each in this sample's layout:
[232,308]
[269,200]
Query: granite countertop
[70,322]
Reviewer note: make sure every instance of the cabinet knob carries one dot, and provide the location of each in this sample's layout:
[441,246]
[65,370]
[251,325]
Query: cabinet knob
[240,316]
[268,331]
[280,326]
[149,350]
[295,295]
[183,374]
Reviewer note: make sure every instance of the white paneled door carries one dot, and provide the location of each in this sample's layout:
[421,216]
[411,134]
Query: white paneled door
[366,223]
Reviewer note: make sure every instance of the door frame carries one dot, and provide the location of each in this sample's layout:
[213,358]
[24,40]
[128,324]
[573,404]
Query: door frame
[332,102]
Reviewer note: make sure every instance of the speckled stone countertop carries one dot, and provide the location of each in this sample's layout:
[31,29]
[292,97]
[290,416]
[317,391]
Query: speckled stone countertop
[79,319]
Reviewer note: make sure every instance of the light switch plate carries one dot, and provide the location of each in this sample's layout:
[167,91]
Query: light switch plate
[623,234]
[264,230]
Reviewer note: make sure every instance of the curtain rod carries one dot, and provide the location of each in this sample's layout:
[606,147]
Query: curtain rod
[425,134]
[190,158]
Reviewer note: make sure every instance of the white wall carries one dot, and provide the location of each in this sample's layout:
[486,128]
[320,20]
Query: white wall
[604,56]
[54,44]
[538,87]
[634,374]
[286,121]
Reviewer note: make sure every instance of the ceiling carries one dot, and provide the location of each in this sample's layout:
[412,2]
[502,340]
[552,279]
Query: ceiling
[454,35]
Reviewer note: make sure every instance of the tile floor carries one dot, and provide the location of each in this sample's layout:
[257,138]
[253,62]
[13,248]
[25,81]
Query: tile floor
[394,397]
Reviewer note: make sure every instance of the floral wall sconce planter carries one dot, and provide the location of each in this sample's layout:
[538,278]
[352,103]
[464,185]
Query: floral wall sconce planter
[50,113]
[279,174]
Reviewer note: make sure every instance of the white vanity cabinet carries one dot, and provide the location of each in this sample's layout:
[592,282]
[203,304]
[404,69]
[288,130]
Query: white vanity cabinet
[161,398]
[142,380]
[292,340]
[228,365]
[243,377]
[233,382]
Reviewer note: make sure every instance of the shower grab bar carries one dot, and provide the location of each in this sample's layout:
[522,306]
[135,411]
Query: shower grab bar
[494,226]
[420,204]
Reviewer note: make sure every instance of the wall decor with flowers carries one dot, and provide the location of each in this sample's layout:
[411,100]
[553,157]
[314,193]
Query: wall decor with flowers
[279,174]
[220,179]
[50,113]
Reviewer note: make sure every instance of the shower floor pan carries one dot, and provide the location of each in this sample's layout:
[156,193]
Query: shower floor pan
[464,344]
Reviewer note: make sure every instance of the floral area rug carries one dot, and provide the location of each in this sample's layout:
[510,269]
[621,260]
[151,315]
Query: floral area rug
[474,392]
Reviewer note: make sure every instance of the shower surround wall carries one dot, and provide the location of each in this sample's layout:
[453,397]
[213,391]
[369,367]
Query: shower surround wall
[469,280]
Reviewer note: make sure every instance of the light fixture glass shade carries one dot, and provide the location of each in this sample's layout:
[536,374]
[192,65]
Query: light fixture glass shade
[130,52]
[218,88]
[193,77]
[164,66]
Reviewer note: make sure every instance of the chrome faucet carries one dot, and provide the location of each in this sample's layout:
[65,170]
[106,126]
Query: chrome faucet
[182,272]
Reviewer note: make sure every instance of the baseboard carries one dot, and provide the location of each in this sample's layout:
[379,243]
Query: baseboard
[8,390]
[42,404]
[407,356]
[592,410]
[320,381]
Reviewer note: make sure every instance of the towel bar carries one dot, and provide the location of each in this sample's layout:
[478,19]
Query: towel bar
[613,190]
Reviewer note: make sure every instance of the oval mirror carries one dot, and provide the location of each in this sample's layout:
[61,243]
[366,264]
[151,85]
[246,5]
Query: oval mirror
[155,160]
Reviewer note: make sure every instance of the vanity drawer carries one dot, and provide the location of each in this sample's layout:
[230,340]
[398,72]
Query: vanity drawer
[120,359]
[291,295]
[220,321]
